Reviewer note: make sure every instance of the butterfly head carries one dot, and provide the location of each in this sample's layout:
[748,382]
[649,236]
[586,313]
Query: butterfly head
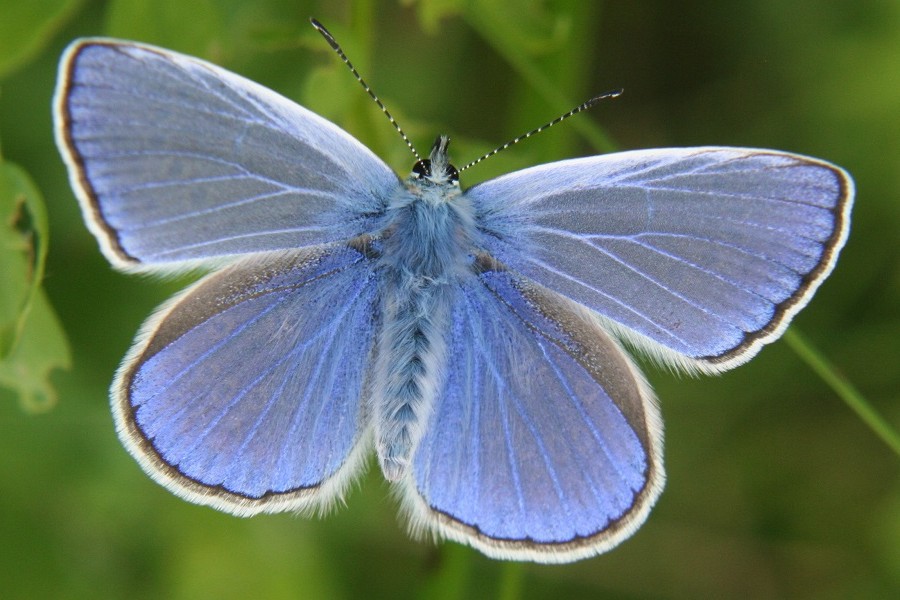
[437,168]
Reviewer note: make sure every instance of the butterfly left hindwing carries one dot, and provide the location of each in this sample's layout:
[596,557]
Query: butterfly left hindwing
[246,391]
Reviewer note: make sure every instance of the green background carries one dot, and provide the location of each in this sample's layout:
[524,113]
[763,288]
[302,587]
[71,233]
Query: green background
[775,488]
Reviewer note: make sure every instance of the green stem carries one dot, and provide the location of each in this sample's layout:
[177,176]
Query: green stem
[843,388]
[512,576]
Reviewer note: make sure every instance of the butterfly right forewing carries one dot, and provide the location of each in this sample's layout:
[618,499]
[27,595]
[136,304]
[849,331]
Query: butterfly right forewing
[697,255]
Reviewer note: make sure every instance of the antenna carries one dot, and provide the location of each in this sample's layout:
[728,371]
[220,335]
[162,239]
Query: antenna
[574,111]
[337,48]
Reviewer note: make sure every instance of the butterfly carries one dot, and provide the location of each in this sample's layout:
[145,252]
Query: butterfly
[474,337]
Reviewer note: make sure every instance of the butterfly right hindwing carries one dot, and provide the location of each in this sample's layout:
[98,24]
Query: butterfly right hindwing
[545,443]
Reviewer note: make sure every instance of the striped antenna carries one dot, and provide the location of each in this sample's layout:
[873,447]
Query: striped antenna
[574,111]
[337,48]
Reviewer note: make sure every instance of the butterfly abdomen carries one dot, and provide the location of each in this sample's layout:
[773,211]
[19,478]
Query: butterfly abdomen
[425,252]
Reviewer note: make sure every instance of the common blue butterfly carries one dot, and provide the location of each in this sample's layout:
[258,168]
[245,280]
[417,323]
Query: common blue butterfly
[472,336]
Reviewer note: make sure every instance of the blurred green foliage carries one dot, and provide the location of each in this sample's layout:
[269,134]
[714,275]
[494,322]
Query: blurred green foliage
[775,488]
[32,342]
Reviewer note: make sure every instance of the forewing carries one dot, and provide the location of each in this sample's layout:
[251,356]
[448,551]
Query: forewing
[175,160]
[702,254]
[545,443]
[245,392]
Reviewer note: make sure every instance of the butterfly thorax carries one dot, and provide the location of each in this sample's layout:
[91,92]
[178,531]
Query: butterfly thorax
[425,250]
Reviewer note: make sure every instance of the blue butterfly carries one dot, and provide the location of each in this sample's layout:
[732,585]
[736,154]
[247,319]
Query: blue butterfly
[473,337]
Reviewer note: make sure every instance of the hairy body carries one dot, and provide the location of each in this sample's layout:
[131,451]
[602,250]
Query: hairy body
[427,247]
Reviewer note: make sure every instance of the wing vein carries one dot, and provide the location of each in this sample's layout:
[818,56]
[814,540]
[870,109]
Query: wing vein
[613,299]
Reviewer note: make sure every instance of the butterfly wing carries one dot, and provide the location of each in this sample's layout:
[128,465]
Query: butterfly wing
[702,254]
[545,443]
[175,160]
[245,392]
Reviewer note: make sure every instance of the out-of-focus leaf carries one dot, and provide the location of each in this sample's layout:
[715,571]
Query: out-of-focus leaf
[25,26]
[32,342]
[23,250]
[521,45]
[42,349]
[431,12]
[195,28]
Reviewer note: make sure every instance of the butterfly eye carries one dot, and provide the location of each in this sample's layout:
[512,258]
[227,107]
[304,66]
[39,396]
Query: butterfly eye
[422,169]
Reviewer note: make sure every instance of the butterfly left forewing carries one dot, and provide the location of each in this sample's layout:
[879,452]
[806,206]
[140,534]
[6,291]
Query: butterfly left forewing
[545,442]
[177,162]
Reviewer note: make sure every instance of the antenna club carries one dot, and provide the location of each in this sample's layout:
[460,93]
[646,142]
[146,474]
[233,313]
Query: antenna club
[325,33]
[442,155]
[583,106]
[337,48]
[609,94]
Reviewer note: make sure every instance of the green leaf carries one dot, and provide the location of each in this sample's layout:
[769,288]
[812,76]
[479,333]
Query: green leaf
[32,342]
[523,46]
[26,27]
[195,28]
[42,349]
[23,251]
[432,12]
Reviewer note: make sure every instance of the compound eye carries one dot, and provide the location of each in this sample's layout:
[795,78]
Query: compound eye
[422,169]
